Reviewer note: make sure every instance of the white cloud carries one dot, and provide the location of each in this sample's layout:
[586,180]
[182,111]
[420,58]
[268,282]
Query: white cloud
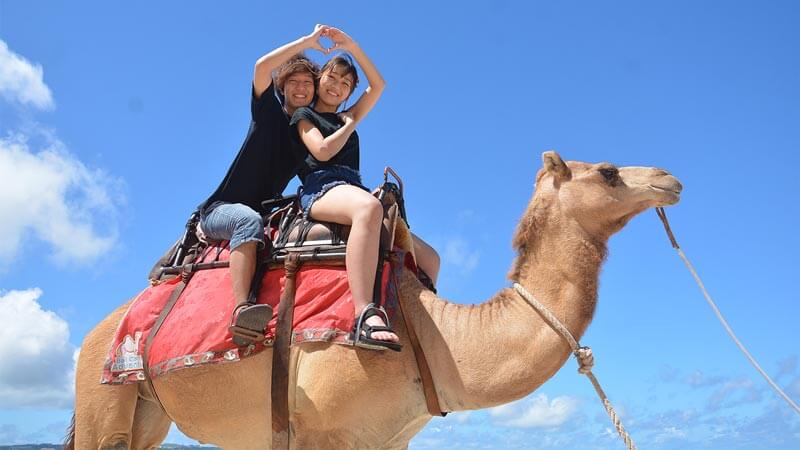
[36,359]
[21,81]
[668,434]
[536,412]
[55,197]
[459,254]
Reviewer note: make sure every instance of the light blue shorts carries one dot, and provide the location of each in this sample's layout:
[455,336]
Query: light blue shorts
[234,222]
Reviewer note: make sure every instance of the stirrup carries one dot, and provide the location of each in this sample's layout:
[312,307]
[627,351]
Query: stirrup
[365,340]
[249,322]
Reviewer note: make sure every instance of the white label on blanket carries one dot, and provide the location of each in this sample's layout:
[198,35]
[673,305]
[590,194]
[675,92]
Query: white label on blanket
[127,362]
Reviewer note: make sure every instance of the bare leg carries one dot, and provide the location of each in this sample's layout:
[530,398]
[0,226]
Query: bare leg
[352,206]
[243,267]
[427,258]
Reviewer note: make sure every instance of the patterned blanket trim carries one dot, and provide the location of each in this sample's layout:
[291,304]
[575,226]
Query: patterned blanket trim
[134,372]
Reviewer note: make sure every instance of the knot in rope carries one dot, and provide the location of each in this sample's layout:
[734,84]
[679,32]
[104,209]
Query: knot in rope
[584,357]
[585,360]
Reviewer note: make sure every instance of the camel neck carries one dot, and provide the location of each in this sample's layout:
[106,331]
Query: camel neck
[501,350]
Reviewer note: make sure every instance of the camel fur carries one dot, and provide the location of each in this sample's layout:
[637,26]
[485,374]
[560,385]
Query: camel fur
[341,397]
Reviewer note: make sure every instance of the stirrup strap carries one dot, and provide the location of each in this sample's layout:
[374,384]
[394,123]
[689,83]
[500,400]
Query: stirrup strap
[428,386]
[280,357]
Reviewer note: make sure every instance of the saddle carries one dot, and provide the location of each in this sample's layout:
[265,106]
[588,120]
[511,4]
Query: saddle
[288,231]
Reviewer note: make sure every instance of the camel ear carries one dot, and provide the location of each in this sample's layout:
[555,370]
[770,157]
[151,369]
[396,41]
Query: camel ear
[556,166]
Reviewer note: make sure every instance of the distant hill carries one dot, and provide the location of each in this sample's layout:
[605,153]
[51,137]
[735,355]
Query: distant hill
[58,447]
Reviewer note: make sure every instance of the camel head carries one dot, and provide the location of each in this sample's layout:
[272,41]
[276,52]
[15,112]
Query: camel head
[599,198]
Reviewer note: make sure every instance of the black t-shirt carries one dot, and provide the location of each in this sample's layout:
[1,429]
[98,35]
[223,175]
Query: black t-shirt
[327,124]
[268,159]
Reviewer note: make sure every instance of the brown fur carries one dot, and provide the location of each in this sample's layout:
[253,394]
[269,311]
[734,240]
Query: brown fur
[480,355]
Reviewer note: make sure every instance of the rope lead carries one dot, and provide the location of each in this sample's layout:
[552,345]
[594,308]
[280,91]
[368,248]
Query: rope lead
[584,357]
[663,216]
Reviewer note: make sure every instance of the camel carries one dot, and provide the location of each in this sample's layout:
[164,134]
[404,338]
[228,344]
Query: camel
[341,397]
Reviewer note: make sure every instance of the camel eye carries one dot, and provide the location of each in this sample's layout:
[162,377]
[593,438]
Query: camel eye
[609,173]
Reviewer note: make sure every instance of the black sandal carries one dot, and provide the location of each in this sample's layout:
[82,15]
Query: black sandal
[249,322]
[362,331]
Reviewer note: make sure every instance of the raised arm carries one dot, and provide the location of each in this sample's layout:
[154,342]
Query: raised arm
[262,76]
[376,83]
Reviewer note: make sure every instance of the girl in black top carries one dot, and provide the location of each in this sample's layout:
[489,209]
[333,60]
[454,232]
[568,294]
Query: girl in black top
[332,190]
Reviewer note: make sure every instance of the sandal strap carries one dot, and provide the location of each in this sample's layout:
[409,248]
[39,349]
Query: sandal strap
[374,310]
[369,329]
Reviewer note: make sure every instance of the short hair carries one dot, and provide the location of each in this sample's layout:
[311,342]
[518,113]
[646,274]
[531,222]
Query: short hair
[347,63]
[298,63]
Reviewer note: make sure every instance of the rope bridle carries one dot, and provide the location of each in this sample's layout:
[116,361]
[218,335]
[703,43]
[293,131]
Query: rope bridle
[584,357]
[663,216]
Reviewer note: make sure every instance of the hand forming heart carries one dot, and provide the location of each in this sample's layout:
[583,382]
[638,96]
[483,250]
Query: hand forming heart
[341,40]
[320,31]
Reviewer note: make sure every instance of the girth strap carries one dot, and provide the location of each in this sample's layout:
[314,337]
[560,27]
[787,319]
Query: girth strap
[280,357]
[186,274]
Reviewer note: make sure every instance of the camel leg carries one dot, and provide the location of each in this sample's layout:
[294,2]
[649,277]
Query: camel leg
[104,414]
[150,425]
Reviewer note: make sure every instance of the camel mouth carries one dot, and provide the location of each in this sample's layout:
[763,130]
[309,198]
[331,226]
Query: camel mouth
[673,192]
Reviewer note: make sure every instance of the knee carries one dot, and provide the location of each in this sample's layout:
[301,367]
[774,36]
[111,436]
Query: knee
[434,260]
[115,443]
[369,213]
[249,226]
[250,220]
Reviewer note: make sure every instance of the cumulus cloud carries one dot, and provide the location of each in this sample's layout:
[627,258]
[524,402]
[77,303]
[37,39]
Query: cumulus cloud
[53,196]
[36,359]
[32,432]
[22,82]
[536,412]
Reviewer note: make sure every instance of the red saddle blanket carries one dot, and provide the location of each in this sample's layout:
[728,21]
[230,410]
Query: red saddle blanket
[196,330]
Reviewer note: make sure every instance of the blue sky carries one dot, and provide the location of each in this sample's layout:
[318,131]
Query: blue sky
[101,104]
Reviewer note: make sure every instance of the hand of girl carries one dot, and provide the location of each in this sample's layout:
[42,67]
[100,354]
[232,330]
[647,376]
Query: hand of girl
[319,32]
[347,117]
[341,40]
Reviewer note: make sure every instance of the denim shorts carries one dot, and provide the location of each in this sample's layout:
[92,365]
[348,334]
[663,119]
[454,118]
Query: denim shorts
[319,182]
[233,222]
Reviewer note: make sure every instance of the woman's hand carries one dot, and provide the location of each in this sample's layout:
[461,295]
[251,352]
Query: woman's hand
[341,40]
[347,117]
[313,39]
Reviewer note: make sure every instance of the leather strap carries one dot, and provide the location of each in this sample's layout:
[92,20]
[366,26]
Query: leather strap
[428,387]
[280,357]
[186,274]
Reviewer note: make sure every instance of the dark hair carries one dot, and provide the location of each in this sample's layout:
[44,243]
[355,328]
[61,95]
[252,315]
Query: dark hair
[346,62]
[298,63]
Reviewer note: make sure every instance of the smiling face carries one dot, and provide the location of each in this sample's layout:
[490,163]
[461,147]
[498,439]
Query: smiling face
[335,85]
[298,90]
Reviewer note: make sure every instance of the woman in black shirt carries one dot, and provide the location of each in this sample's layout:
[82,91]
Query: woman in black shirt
[332,189]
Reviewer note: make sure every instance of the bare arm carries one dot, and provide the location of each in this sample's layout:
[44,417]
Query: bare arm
[262,76]
[376,82]
[325,148]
